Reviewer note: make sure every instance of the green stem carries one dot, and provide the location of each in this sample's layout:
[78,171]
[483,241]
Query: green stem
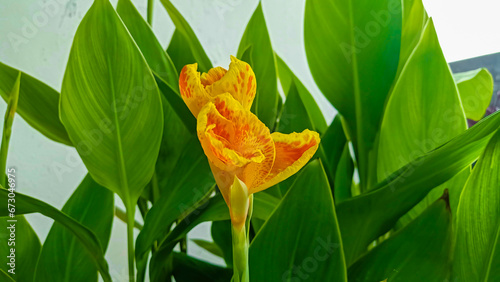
[130,240]
[240,254]
[7,128]
[150,12]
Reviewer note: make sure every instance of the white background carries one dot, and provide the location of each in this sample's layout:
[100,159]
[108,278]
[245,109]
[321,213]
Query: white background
[466,29]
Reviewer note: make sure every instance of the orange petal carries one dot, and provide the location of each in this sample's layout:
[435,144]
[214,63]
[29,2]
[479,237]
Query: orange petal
[192,90]
[212,76]
[239,81]
[235,140]
[293,151]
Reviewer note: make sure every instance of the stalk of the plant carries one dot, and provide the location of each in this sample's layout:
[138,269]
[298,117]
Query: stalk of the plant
[240,206]
[130,240]
[7,127]
[150,12]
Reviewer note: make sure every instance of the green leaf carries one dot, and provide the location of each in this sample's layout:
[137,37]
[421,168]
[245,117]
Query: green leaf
[308,249]
[332,143]
[414,21]
[343,176]
[26,245]
[221,234]
[208,246]
[364,218]
[295,117]
[188,269]
[5,277]
[423,112]
[475,88]
[63,257]
[347,44]
[185,38]
[110,104]
[7,128]
[419,252]
[190,182]
[26,205]
[38,103]
[158,60]
[287,78]
[263,63]
[478,224]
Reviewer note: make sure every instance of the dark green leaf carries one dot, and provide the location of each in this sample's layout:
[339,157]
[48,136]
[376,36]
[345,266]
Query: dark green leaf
[63,257]
[332,143]
[263,63]
[221,234]
[110,104]
[419,252]
[188,269]
[364,218]
[343,176]
[38,103]
[303,248]
[26,205]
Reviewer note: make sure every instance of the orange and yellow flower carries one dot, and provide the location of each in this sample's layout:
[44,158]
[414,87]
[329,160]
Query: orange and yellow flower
[235,141]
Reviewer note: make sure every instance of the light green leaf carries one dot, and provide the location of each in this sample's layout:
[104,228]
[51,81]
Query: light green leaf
[287,77]
[423,112]
[478,223]
[185,38]
[158,60]
[475,88]
[63,257]
[312,246]
[347,44]
[26,205]
[414,21]
[419,252]
[364,218]
[7,128]
[110,104]
[208,246]
[343,176]
[189,183]
[38,103]
[26,246]
[263,63]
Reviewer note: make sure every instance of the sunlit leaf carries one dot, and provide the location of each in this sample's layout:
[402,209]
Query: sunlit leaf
[475,88]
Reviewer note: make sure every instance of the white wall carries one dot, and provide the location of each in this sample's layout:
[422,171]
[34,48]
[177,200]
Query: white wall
[466,29]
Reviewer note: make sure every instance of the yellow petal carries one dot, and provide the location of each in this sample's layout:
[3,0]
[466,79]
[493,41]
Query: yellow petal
[212,76]
[192,90]
[235,140]
[239,81]
[293,151]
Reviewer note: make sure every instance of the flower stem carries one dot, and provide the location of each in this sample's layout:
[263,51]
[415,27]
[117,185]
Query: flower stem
[130,240]
[7,128]
[240,254]
[150,12]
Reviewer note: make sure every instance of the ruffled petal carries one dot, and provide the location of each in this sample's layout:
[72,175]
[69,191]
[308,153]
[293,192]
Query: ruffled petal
[235,140]
[192,90]
[239,81]
[293,151]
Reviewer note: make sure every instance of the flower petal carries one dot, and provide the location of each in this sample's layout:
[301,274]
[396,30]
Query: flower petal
[239,81]
[192,90]
[293,151]
[235,140]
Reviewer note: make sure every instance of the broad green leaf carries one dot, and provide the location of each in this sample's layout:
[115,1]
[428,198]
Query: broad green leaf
[190,181]
[38,103]
[265,104]
[185,38]
[475,88]
[295,116]
[5,277]
[414,21]
[221,234]
[188,269]
[343,176]
[423,112]
[26,205]
[110,104]
[158,60]
[353,51]
[364,218]
[23,240]
[287,77]
[214,209]
[208,246]
[419,252]
[303,233]
[478,223]
[332,143]
[179,51]
[63,257]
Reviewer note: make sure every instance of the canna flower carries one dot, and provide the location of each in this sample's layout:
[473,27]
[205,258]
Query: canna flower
[241,150]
